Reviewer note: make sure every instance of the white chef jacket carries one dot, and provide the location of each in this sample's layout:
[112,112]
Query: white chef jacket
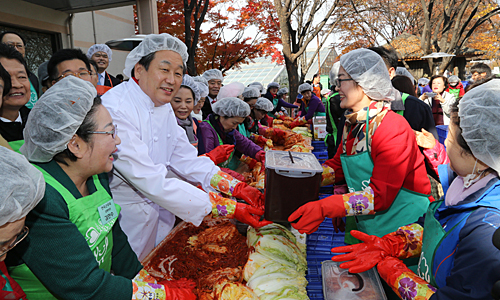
[153,147]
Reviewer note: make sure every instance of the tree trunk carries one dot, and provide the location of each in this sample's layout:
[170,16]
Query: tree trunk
[292,68]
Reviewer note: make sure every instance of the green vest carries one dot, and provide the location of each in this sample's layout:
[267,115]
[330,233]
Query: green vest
[406,208]
[16,145]
[403,97]
[231,163]
[94,216]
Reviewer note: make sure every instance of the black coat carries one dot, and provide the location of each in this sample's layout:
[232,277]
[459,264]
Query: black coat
[114,81]
[13,131]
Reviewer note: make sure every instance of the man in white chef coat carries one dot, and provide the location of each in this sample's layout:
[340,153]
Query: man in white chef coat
[154,146]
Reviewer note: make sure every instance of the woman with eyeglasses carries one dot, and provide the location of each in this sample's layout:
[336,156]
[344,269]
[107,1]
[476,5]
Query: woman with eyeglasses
[378,157]
[76,248]
[22,189]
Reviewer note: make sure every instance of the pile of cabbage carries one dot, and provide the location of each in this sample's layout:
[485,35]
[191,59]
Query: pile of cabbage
[276,268]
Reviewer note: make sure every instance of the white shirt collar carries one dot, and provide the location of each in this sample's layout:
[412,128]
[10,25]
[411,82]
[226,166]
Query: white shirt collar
[9,121]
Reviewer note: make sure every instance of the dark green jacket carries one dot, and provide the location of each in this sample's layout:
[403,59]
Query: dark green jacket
[58,254]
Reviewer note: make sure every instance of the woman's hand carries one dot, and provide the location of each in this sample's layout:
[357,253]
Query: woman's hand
[425,139]
[440,98]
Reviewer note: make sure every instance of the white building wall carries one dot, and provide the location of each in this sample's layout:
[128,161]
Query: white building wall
[101,26]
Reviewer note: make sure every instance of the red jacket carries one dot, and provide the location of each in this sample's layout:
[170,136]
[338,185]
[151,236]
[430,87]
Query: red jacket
[396,158]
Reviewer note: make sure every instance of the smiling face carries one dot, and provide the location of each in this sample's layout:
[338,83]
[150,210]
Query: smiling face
[352,96]
[214,86]
[438,85]
[102,60]
[230,124]
[163,78]
[183,103]
[97,154]
[20,92]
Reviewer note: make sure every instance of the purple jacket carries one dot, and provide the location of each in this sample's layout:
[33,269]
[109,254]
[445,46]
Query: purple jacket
[211,140]
[315,105]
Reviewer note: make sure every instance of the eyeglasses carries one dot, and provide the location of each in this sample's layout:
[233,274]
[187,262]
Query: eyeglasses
[113,132]
[80,74]
[338,81]
[15,240]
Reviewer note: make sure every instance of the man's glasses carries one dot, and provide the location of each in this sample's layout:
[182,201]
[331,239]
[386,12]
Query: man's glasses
[14,241]
[113,132]
[83,74]
[338,81]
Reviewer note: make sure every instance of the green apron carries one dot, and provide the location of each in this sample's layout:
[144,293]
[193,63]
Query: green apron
[406,208]
[243,130]
[16,145]
[94,215]
[432,238]
[33,97]
[231,163]
[332,121]
[403,97]
[275,104]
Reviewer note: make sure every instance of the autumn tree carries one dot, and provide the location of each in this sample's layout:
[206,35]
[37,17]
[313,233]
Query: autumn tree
[223,44]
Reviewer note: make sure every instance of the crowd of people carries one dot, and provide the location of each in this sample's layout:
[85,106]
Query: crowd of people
[97,170]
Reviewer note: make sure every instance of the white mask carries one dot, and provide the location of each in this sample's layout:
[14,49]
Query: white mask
[471,178]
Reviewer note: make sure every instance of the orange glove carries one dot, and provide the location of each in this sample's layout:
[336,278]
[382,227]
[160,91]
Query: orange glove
[220,154]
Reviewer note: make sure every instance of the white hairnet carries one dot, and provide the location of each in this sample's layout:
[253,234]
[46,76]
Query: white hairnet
[213,74]
[22,186]
[264,104]
[479,114]
[334,72]
[258,85]
[231,107]
[423,81]
[283,91]
[368,69]
[234,89]
[189,82]
[203,85]
[251,92]
[56,117]
[305,87]
[324,91]
[453,78]
[151,44]
[404,72]
[99,48]
[273,84]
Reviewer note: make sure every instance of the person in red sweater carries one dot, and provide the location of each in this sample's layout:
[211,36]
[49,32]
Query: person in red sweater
[378,157]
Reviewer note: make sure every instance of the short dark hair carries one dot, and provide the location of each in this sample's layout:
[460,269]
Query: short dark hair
[6,80]
[89,124]
[119,76]
[9,52]
[390,56]
[12,32]
[481,68]
[94,64]
[64,55]
[445,80]
[404,84]
[145,62]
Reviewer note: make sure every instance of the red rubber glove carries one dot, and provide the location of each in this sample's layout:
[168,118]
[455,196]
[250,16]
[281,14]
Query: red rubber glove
[308,217]
[233,173]
[181,289]
[298,122]
[250,194]
[261,156]
[220,154]
[249,215]
[364,256]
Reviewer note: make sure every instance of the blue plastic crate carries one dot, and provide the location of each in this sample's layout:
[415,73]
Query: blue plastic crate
[319,245]
[319,146]
[442,131]
[321,154]
[327,189]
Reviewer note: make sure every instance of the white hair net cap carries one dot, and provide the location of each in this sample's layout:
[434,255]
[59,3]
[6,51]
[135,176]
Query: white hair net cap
[453,78]
[264,104]
[258,85]
[189,82]
[404,72]
[231,107]
[56,117]
[273,84]
[305,87]
[213,74]
[99,48]
[368,69]
[479,114]
[22,186]
[203,85]
[234,89]
[283,91]
[334,72]
[251,92]
[423,81]
[151,44]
